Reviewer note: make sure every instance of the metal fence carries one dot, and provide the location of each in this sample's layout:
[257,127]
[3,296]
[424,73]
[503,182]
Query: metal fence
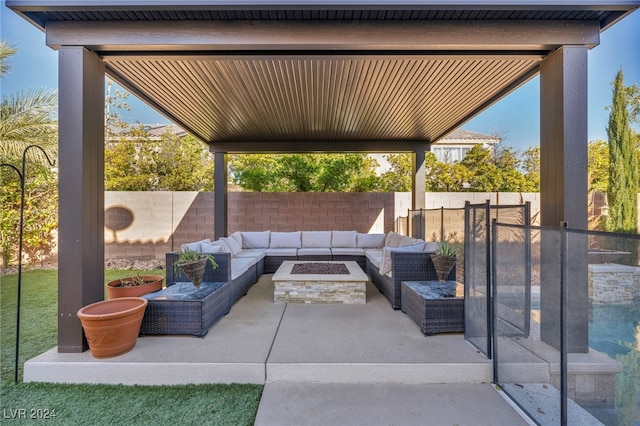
[443,224]
[566,323]
[477,266]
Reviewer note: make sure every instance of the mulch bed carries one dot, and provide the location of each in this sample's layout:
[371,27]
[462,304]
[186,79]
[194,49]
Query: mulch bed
[118,263]
[320,268]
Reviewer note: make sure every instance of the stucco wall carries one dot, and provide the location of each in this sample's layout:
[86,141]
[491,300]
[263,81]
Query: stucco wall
[150,224]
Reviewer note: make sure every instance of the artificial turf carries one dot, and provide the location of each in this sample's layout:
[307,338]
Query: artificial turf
[97,404]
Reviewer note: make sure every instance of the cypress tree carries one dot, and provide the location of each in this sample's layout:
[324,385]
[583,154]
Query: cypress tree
[623,166]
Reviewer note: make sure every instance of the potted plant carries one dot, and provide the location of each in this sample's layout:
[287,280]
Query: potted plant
[444,258]
[134,286]
[112,326]
[193,264]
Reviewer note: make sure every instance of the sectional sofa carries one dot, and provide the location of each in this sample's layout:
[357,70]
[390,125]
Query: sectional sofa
[243,257]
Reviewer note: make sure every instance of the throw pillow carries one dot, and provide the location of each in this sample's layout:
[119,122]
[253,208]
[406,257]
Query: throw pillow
[233,245]
[196,246]
[237,236]
[215,247]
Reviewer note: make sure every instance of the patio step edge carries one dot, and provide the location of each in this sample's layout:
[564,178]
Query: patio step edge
[351,373]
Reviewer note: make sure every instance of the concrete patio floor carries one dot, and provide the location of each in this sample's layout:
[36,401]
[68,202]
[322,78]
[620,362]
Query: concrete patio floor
[323,351]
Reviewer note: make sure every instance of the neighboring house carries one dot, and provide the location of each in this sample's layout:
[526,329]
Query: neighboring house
[449,149]
[455,145]
[154,132]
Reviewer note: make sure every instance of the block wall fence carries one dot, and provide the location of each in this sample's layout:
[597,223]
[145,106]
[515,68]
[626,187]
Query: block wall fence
[147,225]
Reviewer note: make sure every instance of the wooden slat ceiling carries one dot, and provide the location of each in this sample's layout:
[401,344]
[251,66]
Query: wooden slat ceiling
[321,99]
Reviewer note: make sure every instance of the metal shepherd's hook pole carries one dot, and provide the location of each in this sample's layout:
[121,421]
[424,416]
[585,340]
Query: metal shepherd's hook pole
[19,289]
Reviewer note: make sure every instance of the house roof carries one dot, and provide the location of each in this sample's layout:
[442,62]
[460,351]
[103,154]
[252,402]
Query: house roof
[469,137]
[321,76]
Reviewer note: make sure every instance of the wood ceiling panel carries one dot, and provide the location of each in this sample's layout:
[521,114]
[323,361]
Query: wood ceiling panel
[322,99]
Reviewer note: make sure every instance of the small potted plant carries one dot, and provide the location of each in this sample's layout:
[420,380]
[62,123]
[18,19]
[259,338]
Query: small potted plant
[444,258]
[134,286]
[193,264]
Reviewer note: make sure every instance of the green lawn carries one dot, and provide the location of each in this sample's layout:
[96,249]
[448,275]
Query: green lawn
[97,404]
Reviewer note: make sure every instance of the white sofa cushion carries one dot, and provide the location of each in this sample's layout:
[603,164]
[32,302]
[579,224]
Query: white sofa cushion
[374,257]
[256,254]
[316,239]
[233,245]
[240,265]
[286,240]
[314,251]
[370,240]
[281,252]
[254,240]
[343,239]
[347,251]
[195,246]
[385,261]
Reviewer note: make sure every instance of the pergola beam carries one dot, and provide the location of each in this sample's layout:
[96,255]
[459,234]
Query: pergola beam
[209,36]
[293,147]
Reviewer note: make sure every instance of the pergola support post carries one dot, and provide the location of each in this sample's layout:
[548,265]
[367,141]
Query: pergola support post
[563,188]
[81,191]
[220,195]
[418,187]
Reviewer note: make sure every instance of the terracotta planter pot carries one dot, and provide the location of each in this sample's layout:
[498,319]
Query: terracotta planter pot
[115,290]
[112,326]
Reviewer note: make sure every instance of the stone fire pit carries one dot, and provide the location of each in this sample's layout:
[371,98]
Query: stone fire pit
[320,282]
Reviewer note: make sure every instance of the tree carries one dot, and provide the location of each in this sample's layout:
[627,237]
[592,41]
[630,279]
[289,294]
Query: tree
[27,118]
[633,97]
[598,165]
[136,163]
[445,177]
[623,165]
[114,101]
[304,172]
[484,175]
[40,213]
[6,51]
[398,177]
[531,167]
[512,178]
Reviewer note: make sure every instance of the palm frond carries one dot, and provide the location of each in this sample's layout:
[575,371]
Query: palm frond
[6,50]
[26,118]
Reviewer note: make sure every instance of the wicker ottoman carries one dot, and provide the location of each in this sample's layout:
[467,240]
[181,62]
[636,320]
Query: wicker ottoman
[183,309]
[436,307]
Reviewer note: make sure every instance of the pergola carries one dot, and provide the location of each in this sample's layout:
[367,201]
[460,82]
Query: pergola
[309,76]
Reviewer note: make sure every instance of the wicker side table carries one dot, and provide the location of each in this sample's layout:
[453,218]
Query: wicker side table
[183,309]
[436,307]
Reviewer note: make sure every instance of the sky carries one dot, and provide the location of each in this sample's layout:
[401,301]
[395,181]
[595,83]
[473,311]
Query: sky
[516,117]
